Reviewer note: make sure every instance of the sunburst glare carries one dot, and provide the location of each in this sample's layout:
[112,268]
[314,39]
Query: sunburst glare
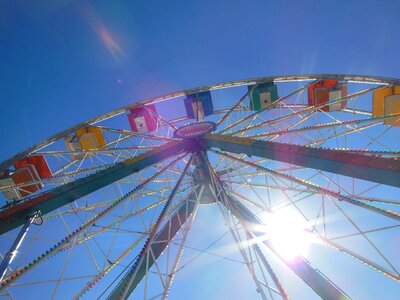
[288,232]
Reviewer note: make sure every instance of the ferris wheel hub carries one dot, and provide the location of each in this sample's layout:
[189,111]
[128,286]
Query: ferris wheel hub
[195,130]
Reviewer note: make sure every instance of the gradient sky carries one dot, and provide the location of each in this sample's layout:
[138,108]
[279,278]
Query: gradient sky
[65,61]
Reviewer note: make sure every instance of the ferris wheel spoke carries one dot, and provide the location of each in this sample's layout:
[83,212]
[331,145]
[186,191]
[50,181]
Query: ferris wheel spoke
[313,278]
[73,234]
[279,205]
[357,111]
[336,123]
[114,153]
[355,129]
[273,121]
[233,169]
[133,277]
[260,256]
[91,235]
[65,167]
[265,108]
[360,130]
[382,133]
[234,230]
[247,200]
[358,195]
[129,134]
[256,193]
[308,109]
[245,247]
[44,282]
[303,119]
[106,270]
[159,117]
[269,186]
[187,226]
[236,105]
[161,241]
[119,221]
[62,195]
[125,139]
[367,239]
[7,294]
[319,189]
[390,274]
[61,273]
[95,151]
[299,188]
[72,238]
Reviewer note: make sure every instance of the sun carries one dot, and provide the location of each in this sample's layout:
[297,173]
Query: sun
[288,233]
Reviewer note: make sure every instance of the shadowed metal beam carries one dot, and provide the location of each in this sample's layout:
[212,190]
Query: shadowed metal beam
[357,165]
[16,215]
[160,242]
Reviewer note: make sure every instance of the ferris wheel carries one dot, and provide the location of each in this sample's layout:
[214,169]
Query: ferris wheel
[303,173]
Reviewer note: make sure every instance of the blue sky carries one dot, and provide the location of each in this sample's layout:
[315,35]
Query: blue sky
[56,70]
[63,62]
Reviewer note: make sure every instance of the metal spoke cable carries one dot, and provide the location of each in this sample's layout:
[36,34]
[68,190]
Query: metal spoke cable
[324,125]
[152,234]
[310,108]
[68,238]
[337,195]
[264,108]
[249,92]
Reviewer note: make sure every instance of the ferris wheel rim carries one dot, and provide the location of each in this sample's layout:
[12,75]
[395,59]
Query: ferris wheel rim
[169,96]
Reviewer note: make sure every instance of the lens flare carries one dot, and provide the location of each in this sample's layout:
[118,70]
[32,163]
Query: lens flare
[288,234]
[107,37]
[108,40]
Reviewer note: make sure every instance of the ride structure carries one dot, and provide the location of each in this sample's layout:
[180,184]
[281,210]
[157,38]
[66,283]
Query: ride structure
[105,209]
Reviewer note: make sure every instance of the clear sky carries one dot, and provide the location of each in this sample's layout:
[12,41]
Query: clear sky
[65,61]
[59,67]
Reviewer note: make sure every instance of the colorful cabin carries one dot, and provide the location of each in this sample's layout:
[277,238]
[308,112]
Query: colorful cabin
[262,95]
[199,105]
[327,90]
[143,119]
[31,168]
[73,144]
[38,162]
[24,175]
[392,106]
[386,101]
[90,138]
[5,181]
[87,138]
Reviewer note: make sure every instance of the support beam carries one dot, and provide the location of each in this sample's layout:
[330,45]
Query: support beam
[10,255]
[158,245]
[271,272]
[143,255]
[16,215]
[366,167]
